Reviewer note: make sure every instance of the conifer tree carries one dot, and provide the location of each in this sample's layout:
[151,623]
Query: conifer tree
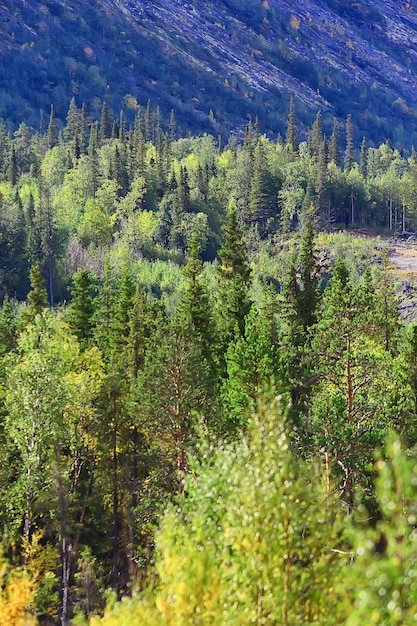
[315,137]
[51,136]
[363,164]
[3,148]
[291,137]
[81,308]
[301,296]
[37,296]
[149,123]
[352,405]
[334,148]
[234,279]
[259,200]
[12,170]
[115,130]
[139,144]
[105,122]
[72,128]
[122,126]
[84,124]
[309,292]
[251,370]
[349,152]
[173,126]
[120,171]
[93,161]
[195,305]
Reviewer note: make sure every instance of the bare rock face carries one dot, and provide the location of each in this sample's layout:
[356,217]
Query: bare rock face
[216,63]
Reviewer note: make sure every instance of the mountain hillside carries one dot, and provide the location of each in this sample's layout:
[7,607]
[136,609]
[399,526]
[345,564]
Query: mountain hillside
[215,63]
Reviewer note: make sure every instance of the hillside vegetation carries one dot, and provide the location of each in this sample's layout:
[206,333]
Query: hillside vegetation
[197,369]
[214,64]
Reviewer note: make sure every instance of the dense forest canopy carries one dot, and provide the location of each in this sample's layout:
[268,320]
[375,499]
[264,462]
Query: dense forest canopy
[197,370]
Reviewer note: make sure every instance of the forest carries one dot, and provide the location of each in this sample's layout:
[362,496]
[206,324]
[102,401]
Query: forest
[208,398]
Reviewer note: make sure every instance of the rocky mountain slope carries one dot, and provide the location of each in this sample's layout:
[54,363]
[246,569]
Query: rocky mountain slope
[215,63]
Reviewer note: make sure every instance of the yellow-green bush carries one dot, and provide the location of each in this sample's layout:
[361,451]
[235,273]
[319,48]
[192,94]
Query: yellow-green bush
[253,541]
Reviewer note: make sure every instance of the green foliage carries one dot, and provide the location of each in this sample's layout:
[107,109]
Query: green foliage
[382,579]
[254,541]
[194,278]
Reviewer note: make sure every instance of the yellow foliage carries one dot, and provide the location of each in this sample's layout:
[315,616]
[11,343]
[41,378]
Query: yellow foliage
[16,596]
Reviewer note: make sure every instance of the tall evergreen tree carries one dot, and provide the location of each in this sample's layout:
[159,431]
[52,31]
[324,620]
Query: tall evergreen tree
[334,148]
[315,136]
[12,170]
[52,134]
[234,279]
[81,307]
[105,122]
[72,127]
[363,164]
[37,297]
[195,305]
[349,152]
[291,137]
[149,123]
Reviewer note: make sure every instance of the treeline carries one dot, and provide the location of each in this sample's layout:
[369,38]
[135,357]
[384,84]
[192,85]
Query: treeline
[70,196]
[110,403]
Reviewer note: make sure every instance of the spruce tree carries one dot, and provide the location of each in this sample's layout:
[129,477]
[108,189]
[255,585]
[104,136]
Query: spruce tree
[315,136]
[12,170]
[291,137]
[149,123]
[81,308]
[51,136]
[349,152]
[72,128]
[363,164]
[105,122]
[334,148]
[37,296]
[195,305]
[234,279]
